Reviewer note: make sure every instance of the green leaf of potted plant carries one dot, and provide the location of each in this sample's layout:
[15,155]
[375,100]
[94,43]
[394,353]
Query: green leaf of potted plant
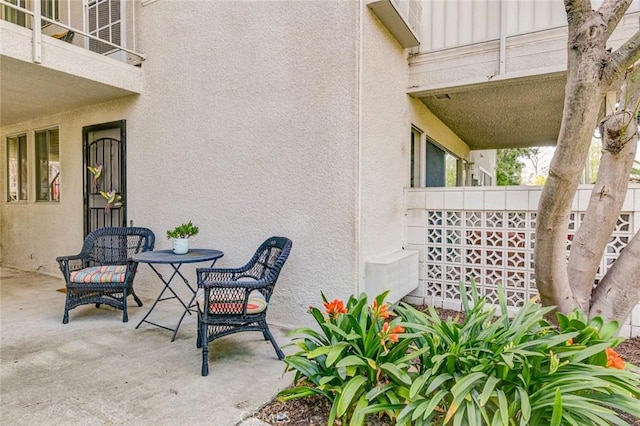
[180,235]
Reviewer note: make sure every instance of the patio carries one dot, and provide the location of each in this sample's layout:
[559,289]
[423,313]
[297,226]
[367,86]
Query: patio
[97,370]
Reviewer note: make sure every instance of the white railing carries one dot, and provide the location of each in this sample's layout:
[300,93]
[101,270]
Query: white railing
[74,9]
[455,23]
[487,235]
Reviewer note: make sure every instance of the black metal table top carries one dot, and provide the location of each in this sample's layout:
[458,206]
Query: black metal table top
[168,256]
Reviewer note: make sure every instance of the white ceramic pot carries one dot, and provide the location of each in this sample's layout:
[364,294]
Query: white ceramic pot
[180,245]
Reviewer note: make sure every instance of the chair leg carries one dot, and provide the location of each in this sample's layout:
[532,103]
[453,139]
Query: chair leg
[203,342]
[199,338]
[267,333]
[136,298]
[125,315]
[205,359]
[65,317]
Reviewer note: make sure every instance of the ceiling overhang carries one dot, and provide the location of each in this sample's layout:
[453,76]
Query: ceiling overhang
[513,113]
[68,77]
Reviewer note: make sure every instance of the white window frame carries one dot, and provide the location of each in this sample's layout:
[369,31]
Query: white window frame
[21,178]
[51,169]
[418,152]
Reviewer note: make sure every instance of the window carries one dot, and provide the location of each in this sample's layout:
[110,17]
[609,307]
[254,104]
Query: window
[415,158]
[451,170]
[15,16]
[49,9]
[480,176]
[17,168]
[485,178]
[105,23]
[48,165]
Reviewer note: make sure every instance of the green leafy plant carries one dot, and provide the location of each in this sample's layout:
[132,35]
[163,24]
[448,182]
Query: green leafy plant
[358,349]
[510,370]
[491,367]
[594,331]
[185,230]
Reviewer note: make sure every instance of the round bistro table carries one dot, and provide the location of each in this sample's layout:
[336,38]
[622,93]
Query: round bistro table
[168,257]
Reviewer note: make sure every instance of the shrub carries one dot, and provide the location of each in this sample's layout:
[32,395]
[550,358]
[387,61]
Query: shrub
[358,349]
[487,369]
[512,370]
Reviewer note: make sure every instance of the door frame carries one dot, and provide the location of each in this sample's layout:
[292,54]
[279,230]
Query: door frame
[86,183]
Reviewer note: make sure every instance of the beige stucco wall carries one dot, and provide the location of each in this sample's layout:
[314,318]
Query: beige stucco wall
[256,119]
[248,128]
[34,233]
[384,144]
[247,125]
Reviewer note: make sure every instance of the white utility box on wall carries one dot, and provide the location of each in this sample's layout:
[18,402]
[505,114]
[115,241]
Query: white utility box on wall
[397,272]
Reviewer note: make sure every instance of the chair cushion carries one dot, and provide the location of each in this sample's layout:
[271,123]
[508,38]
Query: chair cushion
[256,304]
[100,274]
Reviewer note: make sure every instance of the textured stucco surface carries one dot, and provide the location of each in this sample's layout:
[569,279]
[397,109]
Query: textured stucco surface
[248,127]
[385,146]
[34,233]
[255,119]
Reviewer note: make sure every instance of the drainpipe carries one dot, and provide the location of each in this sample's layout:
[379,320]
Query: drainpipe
[503,37]
[37,33]
[359,282]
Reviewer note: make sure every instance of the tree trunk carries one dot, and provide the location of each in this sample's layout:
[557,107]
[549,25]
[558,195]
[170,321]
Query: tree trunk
[591,71]
[619,291]
[619,140]
[583,96]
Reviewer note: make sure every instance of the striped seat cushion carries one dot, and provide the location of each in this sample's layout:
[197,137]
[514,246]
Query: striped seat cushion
[100,274]
[256,304]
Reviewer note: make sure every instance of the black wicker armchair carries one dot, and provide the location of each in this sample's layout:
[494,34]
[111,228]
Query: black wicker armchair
[103,272]
[238,298]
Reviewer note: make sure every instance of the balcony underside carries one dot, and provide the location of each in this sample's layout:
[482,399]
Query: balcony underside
[501,96]
[514,113]
[68,77]
[518,105]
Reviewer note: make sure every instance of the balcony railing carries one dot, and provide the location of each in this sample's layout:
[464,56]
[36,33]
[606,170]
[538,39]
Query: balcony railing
[98,25]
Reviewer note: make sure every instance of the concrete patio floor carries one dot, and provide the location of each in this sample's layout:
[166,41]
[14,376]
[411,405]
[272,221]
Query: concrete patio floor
[97,370]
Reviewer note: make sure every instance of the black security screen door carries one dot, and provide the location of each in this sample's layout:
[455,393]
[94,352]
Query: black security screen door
[104,175]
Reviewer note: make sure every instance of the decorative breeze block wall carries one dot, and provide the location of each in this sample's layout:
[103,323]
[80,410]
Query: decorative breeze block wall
[487,235]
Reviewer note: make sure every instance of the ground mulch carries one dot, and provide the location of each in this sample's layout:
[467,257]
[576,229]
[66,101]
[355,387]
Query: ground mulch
[314,410]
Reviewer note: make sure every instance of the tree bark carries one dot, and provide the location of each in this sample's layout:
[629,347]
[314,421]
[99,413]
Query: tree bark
[592,70]
[619,140]
[583,96]
[619,290]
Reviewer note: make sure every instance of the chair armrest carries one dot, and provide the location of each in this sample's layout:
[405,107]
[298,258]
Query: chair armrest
[71,263]
[227,277]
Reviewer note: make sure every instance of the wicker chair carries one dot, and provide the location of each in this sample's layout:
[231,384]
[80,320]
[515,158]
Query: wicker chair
[103,272]
[239,297]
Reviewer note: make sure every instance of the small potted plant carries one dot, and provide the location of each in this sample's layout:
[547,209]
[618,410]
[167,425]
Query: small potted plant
[180,235]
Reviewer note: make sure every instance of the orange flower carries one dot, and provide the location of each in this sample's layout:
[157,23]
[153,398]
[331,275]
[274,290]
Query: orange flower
[380,311]
[393,336]
[569,342]
[334,308]
[390,335]
[614,359]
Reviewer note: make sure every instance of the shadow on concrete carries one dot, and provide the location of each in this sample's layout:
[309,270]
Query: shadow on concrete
[97,370]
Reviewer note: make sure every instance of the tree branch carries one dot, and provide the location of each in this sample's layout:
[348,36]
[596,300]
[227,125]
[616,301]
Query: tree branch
[624,57]
[612,11]
[607,197]
[576,10]
[619,290]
